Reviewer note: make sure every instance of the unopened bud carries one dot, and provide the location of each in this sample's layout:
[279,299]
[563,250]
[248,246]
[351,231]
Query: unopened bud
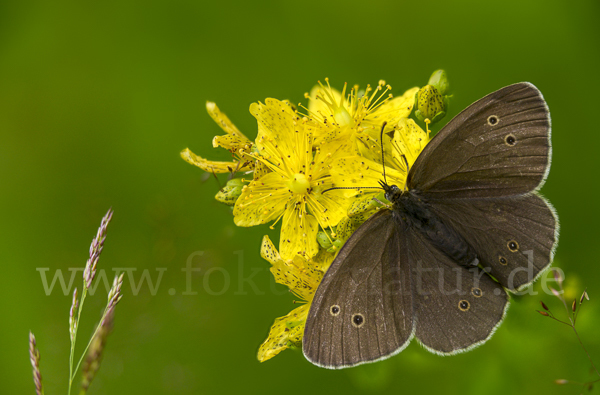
[543,313]
[439,80]
[323,240]
[230,192]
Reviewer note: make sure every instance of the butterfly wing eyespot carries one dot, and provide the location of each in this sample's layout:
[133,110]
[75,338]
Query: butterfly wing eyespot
[510,139]
[464,305]
[335,310]
[358,320]
[493,120]
[502,260]
[476,292]
[513,246]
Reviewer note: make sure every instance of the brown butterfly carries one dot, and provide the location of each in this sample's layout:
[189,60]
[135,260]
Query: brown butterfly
[438,266]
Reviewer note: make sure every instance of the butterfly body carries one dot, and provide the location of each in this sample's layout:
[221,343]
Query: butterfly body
[467,229]
[411,208]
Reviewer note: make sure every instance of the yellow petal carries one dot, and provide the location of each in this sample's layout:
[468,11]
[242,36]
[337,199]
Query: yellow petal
[260,169]
[299,275]
[290,104]
[393,110]
[331,133]
[345,228]
[329,207]
[263,200]
[268,251]
[409,140]
[326,161]
[233,144]
[298,233]
[368,143]
[287,331]
[323,259]
[211,166]
[331,151]
[360,172]
[302,277]
[360,205]
[330,114]
[284,139]
[362,209]
[224,122]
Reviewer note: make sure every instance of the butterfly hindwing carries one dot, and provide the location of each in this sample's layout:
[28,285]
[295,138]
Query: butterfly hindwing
[498,146]
[514,237]
[455,308]
[362,310]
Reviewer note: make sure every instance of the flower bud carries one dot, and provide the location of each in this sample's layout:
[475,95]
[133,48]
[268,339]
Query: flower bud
[324,240]
[430,102]
[336,245]
[439,80]
[231,192]
[543,313]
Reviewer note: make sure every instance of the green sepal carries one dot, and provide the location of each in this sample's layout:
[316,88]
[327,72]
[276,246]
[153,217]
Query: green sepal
[439,80]
[345,228]
[230,193]
[324,240]
[337,244]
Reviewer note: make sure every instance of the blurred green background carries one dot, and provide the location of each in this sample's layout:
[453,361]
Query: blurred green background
[98,98]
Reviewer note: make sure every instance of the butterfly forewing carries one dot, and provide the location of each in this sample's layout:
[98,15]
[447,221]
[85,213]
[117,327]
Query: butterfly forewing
[498,146]
[362,310]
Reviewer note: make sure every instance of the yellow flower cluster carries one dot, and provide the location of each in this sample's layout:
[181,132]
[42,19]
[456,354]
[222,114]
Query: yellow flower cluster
[296,159]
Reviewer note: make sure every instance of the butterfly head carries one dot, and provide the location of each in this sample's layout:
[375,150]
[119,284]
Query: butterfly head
[392,192]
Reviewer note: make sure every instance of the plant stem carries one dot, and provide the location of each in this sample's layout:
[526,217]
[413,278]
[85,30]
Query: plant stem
[586,353]
[72,372]
[91,340]
[562,322]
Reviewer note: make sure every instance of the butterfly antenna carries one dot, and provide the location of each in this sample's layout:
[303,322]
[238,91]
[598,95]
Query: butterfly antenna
[407,170]
[406,161]
[330,189]
[383,152]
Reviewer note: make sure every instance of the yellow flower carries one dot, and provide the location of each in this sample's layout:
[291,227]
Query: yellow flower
[234,141]
[358,116]
[302,277]
[292,190]
[401,150]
